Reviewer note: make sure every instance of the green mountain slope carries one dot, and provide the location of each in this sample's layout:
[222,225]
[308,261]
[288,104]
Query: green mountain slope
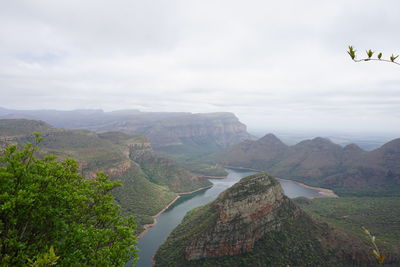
[381,215]
[318,162]
[141,197]
[15,127]
[149,182]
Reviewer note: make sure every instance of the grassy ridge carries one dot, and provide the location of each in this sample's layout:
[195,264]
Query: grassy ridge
[160,171]
[380,215]
[84,146]
[13,127]
[140,197]
[194,158]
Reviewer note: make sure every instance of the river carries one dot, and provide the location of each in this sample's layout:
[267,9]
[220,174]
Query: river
[167,221]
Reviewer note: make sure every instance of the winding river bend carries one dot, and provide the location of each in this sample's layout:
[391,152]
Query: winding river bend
[167,221]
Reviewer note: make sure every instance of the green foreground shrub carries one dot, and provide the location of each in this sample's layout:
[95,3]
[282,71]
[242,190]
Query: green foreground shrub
[50,214]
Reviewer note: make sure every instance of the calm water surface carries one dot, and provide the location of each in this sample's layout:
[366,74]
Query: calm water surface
[167,221]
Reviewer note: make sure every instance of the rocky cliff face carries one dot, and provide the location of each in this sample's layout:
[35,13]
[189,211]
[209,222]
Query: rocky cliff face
[223,129]
[162,128]
[243,215]
[140,151]
[254,224]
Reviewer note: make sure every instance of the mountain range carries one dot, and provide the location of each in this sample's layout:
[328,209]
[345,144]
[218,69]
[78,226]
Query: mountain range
[177,132]
[320,162]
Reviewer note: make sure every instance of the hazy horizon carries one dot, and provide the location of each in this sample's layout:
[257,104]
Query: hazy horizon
[279,66]
[289,136]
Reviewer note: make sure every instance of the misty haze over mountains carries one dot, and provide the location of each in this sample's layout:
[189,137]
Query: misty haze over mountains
[95,119]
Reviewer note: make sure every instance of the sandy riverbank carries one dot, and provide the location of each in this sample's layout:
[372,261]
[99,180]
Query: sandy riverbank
[242,168]
[194,191]
[214,177]
[148,226]
[323,192]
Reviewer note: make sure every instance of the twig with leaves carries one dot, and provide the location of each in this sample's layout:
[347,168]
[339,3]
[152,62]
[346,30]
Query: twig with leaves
[375,250]
[370,53]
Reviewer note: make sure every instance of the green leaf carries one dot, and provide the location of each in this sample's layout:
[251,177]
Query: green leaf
[352,52]
[379,56]
[370,53]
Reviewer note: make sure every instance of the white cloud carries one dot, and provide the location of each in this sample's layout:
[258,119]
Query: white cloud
[275,64]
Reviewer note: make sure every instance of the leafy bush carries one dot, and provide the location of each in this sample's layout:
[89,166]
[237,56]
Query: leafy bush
[50,214]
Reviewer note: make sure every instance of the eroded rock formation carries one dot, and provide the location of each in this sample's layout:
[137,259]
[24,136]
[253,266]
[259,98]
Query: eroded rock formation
[244,214]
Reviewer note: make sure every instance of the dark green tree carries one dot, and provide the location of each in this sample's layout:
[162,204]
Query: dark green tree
[51,215]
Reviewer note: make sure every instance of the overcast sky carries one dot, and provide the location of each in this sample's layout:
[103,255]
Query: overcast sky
[278,65]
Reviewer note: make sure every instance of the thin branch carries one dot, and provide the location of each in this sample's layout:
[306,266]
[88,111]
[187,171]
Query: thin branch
[375,59]
[352,53]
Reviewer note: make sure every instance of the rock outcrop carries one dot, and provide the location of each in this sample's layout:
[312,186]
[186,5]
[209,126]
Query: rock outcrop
[243,214]
[254,224]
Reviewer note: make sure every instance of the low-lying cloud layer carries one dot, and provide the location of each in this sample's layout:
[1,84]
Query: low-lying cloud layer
[276,64]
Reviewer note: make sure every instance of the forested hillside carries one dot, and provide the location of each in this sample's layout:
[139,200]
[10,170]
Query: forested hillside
[149,182]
